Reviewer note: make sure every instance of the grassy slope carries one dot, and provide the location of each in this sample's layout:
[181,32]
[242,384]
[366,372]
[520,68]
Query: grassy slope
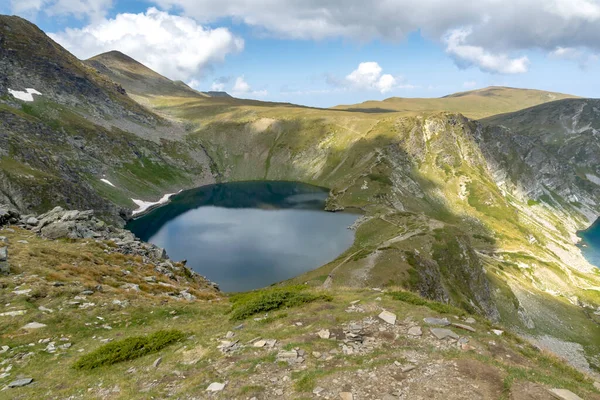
[496,367]
[474,104]
[430,168]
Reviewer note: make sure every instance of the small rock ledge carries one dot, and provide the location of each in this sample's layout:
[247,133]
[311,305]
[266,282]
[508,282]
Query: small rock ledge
[73,224]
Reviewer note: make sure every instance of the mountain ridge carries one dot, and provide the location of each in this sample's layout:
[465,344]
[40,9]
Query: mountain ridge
[472,214]
[476,104]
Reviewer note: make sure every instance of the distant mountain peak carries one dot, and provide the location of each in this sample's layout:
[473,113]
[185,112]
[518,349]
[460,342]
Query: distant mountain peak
[213,93]
[137,78]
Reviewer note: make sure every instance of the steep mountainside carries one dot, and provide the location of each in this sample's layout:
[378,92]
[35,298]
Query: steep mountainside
[137,78]
[475,104]
[56,146]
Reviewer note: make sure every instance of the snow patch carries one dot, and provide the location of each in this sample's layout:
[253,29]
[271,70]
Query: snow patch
[27,95]
[144,205]
[107,182]
[593,178]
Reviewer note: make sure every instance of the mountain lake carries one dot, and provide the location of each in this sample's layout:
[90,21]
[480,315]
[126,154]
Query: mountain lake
[248,235]
[590,244]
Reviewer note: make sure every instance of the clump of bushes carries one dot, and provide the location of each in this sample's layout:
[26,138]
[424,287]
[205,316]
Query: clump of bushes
[128,349]
[248,304]
[412,298]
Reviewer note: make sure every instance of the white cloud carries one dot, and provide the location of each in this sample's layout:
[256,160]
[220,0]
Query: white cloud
[217,87]
[26,6]
[241,88]
[583,58]
[467,55]
[469,84]
[194,84]
[368,76]
[177,47]
[94,9]
[499,27]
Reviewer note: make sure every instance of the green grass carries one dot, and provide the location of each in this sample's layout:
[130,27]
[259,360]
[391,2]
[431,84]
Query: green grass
[128,349]
[252,303]
[411,298]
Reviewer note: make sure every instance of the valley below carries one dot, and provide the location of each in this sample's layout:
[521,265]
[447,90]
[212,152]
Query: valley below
[467,234]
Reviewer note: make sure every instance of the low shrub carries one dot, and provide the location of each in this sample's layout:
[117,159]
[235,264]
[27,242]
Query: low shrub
[252,303]
[128,349]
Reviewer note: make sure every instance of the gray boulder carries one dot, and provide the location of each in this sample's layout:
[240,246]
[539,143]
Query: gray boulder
[20,382]
[4,268]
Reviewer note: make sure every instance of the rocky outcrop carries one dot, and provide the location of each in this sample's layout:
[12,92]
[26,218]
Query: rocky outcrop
[73,224]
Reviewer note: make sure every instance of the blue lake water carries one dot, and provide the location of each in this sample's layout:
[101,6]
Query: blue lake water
[590,245]
[247,235]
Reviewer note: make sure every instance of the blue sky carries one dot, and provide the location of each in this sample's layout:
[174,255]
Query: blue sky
[329,52]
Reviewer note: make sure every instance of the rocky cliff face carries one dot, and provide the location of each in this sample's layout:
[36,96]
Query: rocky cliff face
[549,153]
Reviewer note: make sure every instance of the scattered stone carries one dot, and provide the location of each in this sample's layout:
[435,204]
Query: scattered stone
[283,354]
[21,292]
[4,349]
[45,309]
[23,241]
[323,333]
[87,292]
[260,343]
[51,348]
[597,385]
[564,394]
[20,382]
[408,368]
[354,302]
[442,333]
[32,221]
[13,313]
[437,321]
[131,286]
[278,392]
[465,327]
[229,347]
[388,317]
[271,343]
[34,325]
[316,354]
[215,387]
[346,396]
[470,320]
[498,332]
[238,327]
[187,295]
[157,362]
[229,335]
[415,331]
[318,390]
